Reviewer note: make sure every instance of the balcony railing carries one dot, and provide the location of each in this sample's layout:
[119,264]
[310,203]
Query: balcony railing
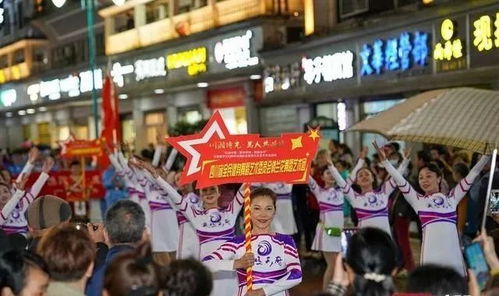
[198,20]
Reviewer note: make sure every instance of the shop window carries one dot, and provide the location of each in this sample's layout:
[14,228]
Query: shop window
[4,62]
[154,122]
[19,56]
[190,114]
[156,11]
[235,119]
[20,15]
[6,22]
[26,132]
[328,110]
[80,132]
[124,21]
[40,55]
[128,130]
[184,6]
[44,135]
[370,109]
[63,133]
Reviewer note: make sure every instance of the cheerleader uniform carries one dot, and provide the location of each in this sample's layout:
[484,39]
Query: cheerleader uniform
[437,213]
[371,207]
[213,227]
[10,206]
[331,215]
[284,220]
[188,242]
[16,221]
[164,226]
[277,266]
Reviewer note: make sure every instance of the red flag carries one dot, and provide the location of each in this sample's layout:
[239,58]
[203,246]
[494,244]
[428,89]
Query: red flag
[111,127]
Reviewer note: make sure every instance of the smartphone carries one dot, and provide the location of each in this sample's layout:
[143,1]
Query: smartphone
[494,202]
[476,261]
[346,234]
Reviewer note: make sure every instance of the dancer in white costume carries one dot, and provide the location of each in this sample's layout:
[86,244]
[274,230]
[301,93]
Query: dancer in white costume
[370,205]
[135,190]
[276,266]
[213,225]
[437,212]
[284,221]
[16,221]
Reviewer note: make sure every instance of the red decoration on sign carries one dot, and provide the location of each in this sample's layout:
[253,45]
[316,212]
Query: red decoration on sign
[214,156]
[81,148]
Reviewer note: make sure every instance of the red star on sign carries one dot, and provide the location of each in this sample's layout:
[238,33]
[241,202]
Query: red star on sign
[186,145]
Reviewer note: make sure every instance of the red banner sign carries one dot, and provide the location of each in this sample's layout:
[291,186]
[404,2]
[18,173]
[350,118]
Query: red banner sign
[214,156]
[81,148]
[59,183]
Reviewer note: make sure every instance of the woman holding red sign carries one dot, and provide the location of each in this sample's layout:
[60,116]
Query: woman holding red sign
[274,257]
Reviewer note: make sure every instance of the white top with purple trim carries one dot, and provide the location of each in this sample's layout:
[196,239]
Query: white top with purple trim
[16,222]
[277,265]
[437,213]
[371,207]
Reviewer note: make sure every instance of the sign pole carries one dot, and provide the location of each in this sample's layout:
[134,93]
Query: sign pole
[247,233]
[91,59]
[83,180]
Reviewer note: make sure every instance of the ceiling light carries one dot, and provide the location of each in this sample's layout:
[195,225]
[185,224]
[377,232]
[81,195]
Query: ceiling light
[42,109]
[8,114]
[21,112]
[255,77]
[123,96]
[202,84]
[30,111]
[159,91]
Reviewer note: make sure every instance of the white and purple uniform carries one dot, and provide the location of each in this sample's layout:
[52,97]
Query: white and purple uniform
[371,207]
[331,215]
[213,227]
[10,206]
[277,266]
[437,213]
[188,241]
[284,220]
[132,182]
[16,222]
[164,226]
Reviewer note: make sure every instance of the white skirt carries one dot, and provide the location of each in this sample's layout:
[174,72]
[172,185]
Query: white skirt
[324,242]
[188,242]
[164,232]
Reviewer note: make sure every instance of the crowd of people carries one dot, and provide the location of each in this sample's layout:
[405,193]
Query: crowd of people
[161,237]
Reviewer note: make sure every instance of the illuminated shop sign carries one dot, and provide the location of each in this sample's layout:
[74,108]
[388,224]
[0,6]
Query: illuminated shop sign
[450,48]
[193,59]
[328,68]
[71,86]
[235,52]
[8,97]
[281,77]
[401,53]
[143,69]
[486,32]
[2,12]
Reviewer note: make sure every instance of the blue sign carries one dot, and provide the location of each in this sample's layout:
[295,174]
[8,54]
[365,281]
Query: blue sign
[398,54]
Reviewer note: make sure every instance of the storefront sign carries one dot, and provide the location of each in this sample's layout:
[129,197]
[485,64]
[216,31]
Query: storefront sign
[408,50]
[150,68]
[226,97]
[8,97]
[449,52]
[70,86]
[2,12]
[235,52]
[277,77]
[194,60]
[328,68]
[484,37]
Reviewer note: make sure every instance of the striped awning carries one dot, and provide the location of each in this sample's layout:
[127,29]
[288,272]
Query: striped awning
[460,117]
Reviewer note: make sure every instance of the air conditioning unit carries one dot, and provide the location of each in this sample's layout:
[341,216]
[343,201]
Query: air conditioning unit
[350,8]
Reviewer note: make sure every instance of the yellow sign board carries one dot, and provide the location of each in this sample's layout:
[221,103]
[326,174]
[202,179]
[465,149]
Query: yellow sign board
[448,48]
[193,59]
